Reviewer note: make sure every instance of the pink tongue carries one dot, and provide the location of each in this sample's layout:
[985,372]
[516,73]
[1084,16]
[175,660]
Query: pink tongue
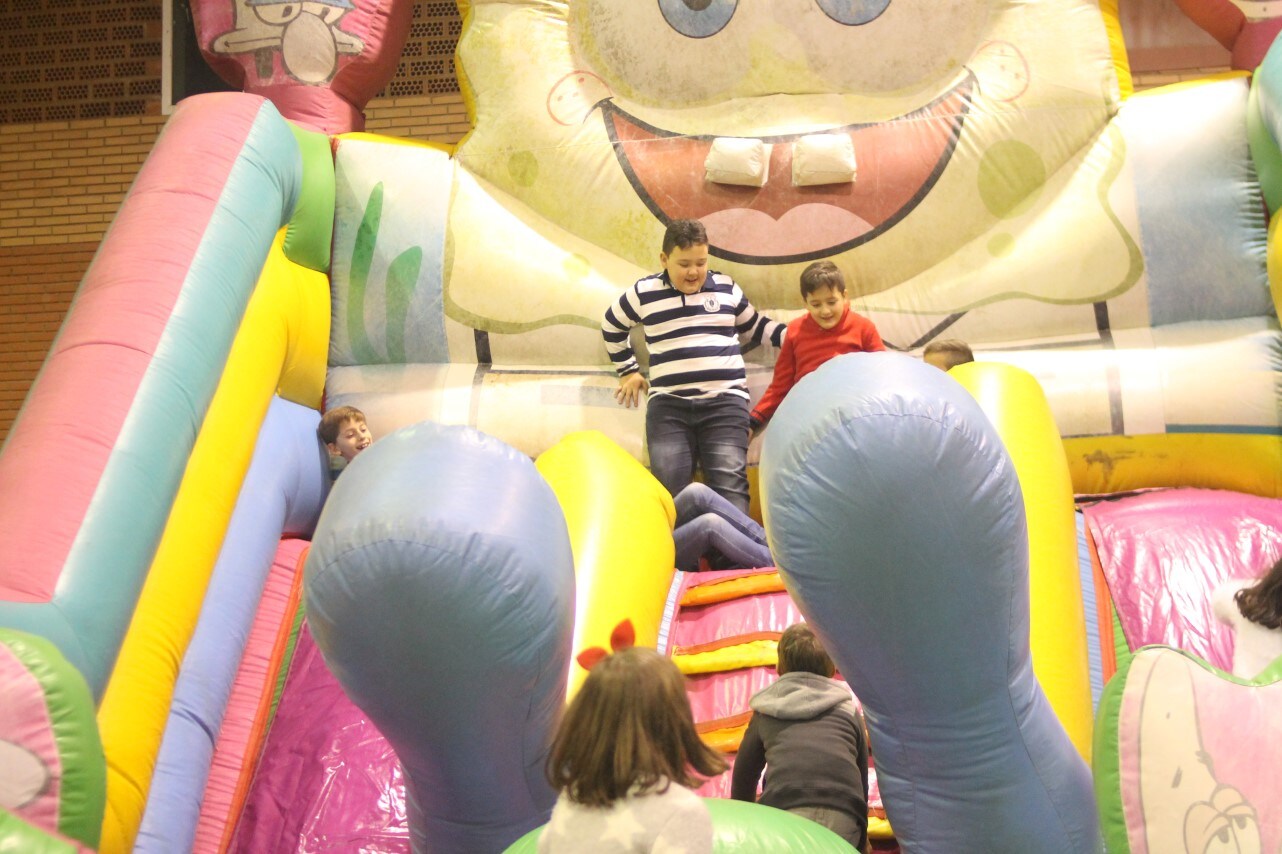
[806,228]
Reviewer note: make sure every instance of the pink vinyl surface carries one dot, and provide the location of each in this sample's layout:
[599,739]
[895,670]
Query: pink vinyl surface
[765,612]
[253,680]
[1164,553]
[327,780]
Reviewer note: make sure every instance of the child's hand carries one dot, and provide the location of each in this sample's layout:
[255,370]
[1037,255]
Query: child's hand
[630,390]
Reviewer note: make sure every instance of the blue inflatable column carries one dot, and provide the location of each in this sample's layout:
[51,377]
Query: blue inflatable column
[896,518]
[440,589]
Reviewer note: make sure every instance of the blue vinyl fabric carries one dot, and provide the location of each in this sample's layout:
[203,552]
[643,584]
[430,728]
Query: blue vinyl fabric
[440,590]
[897,521]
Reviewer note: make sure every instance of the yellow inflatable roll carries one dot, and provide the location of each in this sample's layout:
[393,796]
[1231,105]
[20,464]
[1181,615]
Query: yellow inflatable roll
[620,521]
[280,348]
[1015,404]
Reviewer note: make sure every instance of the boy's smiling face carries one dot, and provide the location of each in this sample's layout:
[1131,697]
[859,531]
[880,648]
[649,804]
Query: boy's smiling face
[687,268]
[353,438]
[826,305]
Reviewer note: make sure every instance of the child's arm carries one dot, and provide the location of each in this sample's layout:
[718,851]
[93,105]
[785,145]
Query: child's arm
[749,762]
[631,389]
[748,321]
[1223,605]
[620,317]
[781,383]
[871,338]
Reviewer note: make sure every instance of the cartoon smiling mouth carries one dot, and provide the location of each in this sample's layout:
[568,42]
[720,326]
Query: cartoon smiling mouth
[898,162]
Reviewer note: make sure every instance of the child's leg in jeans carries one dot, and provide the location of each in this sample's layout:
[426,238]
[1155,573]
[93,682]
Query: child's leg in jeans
[843,824]
[711,533]
[721,434]
[669,436]
[697,499]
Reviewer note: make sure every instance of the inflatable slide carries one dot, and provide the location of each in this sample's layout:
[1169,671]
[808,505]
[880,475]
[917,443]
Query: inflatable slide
[982,172]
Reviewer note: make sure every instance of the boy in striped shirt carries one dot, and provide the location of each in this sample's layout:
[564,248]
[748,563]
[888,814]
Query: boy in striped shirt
[697,406]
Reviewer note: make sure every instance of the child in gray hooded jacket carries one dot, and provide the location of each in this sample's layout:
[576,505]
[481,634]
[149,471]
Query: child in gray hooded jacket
[807,735]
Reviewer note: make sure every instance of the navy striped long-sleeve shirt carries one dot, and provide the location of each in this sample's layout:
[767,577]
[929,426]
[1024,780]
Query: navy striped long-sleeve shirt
[693,339]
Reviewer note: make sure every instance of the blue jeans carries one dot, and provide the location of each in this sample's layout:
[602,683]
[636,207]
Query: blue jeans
[710,432]
[707,523]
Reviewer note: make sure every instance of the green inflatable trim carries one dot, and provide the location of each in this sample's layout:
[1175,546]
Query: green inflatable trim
[309,236]
[75,731]
[1121,649]
[745,828]
[21,837]
[1264,150]
[1106,762]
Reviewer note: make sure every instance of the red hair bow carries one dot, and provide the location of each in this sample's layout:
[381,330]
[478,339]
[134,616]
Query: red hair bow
[623,636]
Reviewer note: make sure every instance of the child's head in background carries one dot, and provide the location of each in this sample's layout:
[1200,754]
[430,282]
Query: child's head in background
[947,353]
[801,652]
[628,730]
[1262,602]
[823,290]
[344,432]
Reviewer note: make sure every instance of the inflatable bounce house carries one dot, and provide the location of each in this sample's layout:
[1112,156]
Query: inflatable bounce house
[1011,561]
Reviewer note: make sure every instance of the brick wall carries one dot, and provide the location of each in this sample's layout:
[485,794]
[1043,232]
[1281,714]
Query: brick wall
[61,183]
[79,111]
[1152,79]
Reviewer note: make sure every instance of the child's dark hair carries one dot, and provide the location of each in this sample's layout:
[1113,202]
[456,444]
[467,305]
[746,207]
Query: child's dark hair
[1262,602]
[801,652]
[684,233]
[332,422]
[951,351]
[629,725]
[822,274]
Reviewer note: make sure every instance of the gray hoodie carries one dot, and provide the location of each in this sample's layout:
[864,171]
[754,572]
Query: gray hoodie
[805,734]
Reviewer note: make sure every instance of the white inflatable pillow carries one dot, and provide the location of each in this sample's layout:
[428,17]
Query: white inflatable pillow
[734,160]
[823,158]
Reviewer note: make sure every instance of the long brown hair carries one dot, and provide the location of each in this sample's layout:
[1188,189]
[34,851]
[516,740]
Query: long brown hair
[1262,602]
[629,726]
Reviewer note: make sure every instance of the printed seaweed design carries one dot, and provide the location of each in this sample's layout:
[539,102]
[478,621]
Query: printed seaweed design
[402,275]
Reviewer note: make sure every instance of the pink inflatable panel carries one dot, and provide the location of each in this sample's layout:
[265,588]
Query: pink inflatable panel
[766,612]
[327,780]
[1164,553]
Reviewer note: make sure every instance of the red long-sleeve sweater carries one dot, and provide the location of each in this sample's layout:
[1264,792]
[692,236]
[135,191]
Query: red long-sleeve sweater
[806,347]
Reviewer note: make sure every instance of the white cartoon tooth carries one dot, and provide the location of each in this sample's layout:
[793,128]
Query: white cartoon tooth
[823,158]
[1259,10]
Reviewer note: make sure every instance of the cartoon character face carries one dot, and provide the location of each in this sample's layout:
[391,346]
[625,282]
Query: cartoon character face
[1184,800]
[304,32]
[1224,822]
[968,120]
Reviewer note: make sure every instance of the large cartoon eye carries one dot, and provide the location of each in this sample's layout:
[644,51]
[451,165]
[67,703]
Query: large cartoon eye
[853,12]
[698,19]
[276,12]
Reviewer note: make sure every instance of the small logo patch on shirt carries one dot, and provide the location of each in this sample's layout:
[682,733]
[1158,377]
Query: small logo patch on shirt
[711,303]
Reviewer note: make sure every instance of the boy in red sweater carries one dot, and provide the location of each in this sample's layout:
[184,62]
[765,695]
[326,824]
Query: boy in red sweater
[829,328]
